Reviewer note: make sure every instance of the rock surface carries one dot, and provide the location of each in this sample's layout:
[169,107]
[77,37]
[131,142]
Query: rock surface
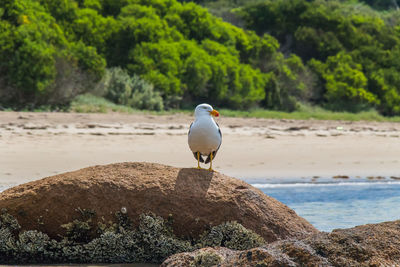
[272,256]
[197,199]
[366,245]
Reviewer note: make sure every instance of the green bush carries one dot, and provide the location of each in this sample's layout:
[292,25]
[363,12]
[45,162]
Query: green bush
[117,85]
[352,48]
[89,103]
[133,91]
[289,83]
[39,65]
[346,85]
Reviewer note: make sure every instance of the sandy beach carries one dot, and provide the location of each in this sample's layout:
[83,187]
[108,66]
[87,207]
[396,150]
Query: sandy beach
[35,145]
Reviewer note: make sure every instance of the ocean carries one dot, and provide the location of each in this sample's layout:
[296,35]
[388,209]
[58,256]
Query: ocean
[337,203]
[329,203]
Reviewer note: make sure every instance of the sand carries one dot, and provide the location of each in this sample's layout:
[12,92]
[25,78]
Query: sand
[35,145]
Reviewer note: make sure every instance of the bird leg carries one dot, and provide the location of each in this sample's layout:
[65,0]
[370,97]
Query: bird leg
[198,161]
[211,158]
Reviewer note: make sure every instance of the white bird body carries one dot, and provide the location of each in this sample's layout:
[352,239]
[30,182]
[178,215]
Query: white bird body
[204,135]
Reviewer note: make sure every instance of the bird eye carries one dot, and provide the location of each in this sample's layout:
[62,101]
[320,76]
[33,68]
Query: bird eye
[205,107]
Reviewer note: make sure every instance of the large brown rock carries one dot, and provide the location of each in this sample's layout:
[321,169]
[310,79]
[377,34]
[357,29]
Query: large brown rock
[196,199]
[365,245]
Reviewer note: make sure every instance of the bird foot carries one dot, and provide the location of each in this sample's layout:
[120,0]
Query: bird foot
[210,170]
[199,168]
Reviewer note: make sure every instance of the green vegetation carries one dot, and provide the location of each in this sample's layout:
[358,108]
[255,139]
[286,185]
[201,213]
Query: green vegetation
[39,63]
[383,4]
[130,91]
[151,241]
[341,55]
[50,50]
[306,113]
[89,104]
[352,49]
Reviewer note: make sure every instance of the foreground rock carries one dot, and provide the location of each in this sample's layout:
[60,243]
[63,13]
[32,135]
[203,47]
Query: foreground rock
[196,199]
[366,245]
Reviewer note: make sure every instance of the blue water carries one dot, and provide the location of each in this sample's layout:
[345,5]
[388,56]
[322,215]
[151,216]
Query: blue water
[339,204]
[4,186]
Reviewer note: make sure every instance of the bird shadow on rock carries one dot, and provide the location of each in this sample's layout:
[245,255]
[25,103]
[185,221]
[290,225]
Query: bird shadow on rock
[193,180]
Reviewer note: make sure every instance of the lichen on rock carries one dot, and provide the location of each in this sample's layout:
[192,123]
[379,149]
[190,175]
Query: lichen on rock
[231,235]
[207,259]
[152,241]
[364,245]
[80,230]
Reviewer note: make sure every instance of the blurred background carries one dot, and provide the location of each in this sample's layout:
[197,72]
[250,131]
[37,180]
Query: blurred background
[99,55]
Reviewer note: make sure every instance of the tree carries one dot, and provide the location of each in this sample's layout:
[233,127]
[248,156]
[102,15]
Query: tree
[346,85]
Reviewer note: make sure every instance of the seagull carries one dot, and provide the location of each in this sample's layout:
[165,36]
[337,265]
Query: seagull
[204,135]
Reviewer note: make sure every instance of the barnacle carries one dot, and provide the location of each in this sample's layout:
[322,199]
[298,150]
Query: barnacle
[124,210]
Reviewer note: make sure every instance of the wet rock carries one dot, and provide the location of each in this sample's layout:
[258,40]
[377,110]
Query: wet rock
[341,177]
[30,126]
[297,128]
[366,245]
[376,178]
[280,254]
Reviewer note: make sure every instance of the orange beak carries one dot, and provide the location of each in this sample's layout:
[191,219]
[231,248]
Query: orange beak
[214,113]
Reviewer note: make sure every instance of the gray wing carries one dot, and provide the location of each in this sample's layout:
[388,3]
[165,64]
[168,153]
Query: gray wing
[190,127]
[215,152]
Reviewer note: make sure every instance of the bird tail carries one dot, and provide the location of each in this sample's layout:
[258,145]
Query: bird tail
[214,153]
[200,158]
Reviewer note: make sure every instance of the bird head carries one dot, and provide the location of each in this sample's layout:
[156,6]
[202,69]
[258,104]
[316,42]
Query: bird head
[204,110]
